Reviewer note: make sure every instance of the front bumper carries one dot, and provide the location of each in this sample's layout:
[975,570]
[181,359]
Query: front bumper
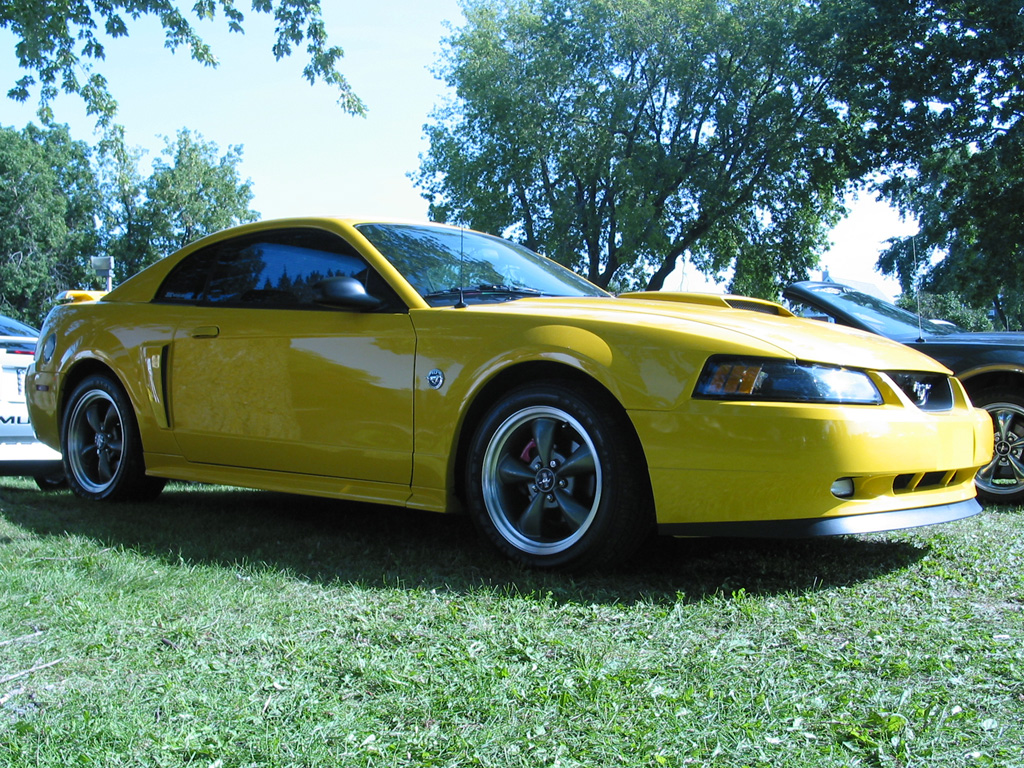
[827,526]
[731,466]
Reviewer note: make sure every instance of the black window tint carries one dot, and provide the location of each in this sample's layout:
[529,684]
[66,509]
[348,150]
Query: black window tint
[187,281]
[277,274]
[272,269]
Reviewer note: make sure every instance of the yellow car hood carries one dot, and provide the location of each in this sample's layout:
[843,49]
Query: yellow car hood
[807,340]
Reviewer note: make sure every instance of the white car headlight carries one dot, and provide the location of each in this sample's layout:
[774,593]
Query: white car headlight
[755,378]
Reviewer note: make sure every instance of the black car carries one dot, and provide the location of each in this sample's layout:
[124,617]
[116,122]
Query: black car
[990,365]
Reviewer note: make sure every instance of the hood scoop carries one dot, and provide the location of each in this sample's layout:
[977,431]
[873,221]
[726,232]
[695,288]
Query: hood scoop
[726,301]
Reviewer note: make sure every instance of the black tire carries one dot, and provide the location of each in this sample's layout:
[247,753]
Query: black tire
[55,481]
[1002,480]
[555,479]
[100,442]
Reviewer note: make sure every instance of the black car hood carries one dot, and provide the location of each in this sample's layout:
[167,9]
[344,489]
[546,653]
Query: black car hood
[990,338]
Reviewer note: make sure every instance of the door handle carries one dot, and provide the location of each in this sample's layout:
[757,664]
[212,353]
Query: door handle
[205,332]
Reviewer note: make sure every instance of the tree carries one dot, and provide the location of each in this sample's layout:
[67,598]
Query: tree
[942,85]
[48,206]
[59,41]
[126,232]
[946,306]
[62,203]
[72,164]
[618,135]
[192,192]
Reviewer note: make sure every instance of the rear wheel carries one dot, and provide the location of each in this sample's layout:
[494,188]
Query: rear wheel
[1002,480]
[100,441]
[55,481]
[553,479]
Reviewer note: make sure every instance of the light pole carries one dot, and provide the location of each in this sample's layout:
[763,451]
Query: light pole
[104,267]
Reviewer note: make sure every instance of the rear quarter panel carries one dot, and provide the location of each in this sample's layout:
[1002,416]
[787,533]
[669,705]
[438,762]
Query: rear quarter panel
[125,338]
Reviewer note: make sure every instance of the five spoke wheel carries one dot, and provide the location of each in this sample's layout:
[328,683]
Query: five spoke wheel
[1002,479]
[541,480]
[94,443]
[553,478]
[103,457]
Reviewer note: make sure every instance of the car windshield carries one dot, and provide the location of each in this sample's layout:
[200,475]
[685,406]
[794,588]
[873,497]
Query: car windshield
[447,265]
[11,327]
[881,316]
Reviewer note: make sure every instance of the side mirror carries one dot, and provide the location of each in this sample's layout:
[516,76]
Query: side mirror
[346,292]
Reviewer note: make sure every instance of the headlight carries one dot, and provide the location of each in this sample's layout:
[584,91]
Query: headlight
[754,378]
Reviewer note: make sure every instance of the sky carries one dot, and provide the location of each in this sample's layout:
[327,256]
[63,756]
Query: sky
[304,155]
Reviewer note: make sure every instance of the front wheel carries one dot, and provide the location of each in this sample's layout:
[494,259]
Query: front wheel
[100,441]
[554,480]
[1002,480]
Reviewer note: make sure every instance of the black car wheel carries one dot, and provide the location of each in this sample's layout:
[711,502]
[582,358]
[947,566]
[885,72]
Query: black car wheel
[55,481]
[1002,480]
[554,479]
[100,441]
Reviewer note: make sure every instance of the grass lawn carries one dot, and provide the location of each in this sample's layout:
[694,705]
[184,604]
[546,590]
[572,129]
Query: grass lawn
[228,628]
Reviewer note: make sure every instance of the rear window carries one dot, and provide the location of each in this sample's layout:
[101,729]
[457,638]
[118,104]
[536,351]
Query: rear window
[11,327]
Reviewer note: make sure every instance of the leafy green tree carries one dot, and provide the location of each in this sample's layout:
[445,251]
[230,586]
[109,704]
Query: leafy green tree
[618,136]
[942,85]
[126,229]
[947,306]
[1008,309]
[60,41]
[192,191]
[48,207]
[72,163]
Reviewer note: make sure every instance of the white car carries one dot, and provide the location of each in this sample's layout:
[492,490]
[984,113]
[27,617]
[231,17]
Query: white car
[20,452]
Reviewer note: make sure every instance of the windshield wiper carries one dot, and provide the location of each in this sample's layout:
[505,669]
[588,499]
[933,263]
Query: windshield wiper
[442,292]
[513,292]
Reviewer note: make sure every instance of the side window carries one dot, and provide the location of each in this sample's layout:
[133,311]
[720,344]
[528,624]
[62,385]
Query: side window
[187,281]
[279,274]
[278,269]
[805,310]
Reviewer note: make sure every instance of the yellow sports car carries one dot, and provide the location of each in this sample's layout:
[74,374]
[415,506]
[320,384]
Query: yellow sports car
[443,369]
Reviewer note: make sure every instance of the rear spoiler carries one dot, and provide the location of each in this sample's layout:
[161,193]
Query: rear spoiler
[727,301]
[77,297]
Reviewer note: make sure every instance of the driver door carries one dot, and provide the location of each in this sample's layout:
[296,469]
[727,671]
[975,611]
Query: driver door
[261,376]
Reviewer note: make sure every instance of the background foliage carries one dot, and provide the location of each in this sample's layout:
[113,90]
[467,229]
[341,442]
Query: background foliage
[620,135]
[942,83]
[617,136]
[49,201]
[947,306]
[63,202]
[192,191]
[59,42]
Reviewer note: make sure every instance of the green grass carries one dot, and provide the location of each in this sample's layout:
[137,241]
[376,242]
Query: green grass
[230,628]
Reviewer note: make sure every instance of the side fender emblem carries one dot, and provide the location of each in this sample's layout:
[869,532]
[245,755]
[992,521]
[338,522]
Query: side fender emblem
[435,378]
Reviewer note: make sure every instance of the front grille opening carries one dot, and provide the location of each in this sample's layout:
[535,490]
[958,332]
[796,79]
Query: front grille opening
[928,391]
[924,481]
